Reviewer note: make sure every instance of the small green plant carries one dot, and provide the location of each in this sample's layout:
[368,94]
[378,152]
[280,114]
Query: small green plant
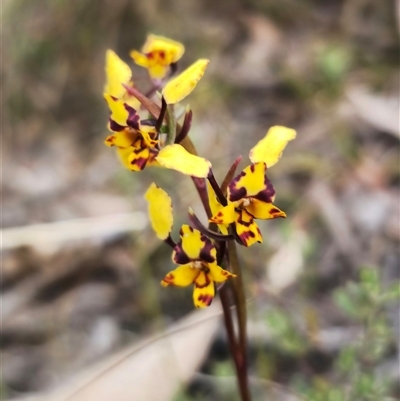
[365,303]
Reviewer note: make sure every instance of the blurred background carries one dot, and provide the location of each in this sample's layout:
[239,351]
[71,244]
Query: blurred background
[81,265]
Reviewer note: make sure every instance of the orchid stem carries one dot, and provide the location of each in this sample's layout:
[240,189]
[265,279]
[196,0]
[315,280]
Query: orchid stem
[240,301]
[200,184]
[238,347]
[171,124]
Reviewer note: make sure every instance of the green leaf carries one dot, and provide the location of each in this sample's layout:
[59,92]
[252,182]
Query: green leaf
[345,302]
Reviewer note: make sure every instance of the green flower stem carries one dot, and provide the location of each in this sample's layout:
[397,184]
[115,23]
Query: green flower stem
[171,135]
[161,116]
[240,301]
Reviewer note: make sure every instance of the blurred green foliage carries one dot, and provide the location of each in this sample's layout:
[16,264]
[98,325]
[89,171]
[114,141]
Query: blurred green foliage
[365,302]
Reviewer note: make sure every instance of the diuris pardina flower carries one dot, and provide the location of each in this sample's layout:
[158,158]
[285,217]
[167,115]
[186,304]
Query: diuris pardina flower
[139,145]
[250,194]
[158,55]
[134,143]
[195,253]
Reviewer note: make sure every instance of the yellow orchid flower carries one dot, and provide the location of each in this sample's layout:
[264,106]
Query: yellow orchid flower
[158,54]
[138,145]
[250,194]
[196,255]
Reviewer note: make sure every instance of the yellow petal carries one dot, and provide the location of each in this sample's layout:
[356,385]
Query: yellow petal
[181,86]
[158,71]
[270,148]
[139,58]
[177,158]
[192,243]
[119,114]
[215,207]
[204,290]
[250,182]
[182,276]
[149,135]
[247,229]
[173,49]
[122,139]
[226,215]
[124,156]
[160,210]
[140,155]
[117,73]
[264,210]
[218,274]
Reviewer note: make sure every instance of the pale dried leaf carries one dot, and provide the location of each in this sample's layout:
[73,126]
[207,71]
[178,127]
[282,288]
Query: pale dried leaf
[50,237]
[152,370]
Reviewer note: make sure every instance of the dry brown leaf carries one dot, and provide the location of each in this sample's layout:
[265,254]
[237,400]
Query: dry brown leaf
[151,370]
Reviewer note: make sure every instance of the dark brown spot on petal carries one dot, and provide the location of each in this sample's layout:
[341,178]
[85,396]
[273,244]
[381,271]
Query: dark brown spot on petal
[267,194]
[115,127]
[205,299]
[180,256]
[169,279]
[139,162]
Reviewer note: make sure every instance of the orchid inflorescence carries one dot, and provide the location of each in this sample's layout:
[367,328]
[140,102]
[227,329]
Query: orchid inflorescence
[162,140]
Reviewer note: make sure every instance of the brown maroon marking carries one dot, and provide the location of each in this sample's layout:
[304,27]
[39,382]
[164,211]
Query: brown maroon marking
[207,281]
[115,127]
[241,220]
[205,299]
[267,193]
[276,212]
[180,256]
[161,54]
[133,119]
[140,162]
[205,251]
[252,168]
[169,278]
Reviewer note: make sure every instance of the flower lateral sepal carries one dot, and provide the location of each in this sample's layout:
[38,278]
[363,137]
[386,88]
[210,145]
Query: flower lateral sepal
[249,196]
[176,157]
